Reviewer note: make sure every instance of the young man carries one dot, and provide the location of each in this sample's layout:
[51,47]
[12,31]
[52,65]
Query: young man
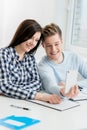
[56,63]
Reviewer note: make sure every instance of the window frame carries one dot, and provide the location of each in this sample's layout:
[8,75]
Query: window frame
[68,45]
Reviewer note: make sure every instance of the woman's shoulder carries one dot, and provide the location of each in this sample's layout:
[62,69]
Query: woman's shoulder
[3,51]
[6,51]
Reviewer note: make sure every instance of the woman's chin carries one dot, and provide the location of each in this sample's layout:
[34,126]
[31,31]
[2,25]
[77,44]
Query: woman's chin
[27,50]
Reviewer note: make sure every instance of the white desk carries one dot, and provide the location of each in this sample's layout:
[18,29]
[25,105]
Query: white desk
[72,119]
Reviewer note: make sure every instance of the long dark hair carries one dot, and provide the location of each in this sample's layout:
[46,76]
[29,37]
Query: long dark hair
[25,31]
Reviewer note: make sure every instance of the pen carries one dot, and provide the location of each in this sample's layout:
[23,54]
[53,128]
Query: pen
[71,99]
[24,108]
[80,88]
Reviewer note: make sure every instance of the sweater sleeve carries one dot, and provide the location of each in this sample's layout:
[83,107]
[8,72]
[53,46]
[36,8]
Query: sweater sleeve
[49,82]
[83,71]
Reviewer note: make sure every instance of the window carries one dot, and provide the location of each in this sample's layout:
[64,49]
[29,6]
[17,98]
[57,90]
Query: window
[77,25]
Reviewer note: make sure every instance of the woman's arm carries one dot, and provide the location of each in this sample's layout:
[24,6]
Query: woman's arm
[51,98]
[11,87]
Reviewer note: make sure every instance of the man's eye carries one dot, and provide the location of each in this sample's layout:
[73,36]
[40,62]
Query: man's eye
[49,46]
[56,44]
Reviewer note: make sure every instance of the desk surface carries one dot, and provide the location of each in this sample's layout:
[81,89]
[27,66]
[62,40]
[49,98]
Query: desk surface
[72,119]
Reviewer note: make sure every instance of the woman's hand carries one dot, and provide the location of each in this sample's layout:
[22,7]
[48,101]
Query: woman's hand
[51,98]
[1,94]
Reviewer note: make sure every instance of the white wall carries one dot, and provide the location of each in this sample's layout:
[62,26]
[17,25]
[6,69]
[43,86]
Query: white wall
[1,20]
[12,12]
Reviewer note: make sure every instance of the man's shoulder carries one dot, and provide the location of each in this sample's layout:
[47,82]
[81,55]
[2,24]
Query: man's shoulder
[44,63]
[74,56]
[71,54]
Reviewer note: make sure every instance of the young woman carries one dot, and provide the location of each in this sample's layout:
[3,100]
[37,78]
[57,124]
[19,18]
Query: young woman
[19,76]
[56,63]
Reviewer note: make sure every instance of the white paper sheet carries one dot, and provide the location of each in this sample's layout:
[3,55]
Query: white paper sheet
[64,105]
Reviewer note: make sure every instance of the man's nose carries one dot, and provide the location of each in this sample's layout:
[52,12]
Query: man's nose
[53,48]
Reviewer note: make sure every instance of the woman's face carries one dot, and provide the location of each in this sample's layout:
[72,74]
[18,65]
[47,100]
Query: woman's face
[30,43]
[53,46]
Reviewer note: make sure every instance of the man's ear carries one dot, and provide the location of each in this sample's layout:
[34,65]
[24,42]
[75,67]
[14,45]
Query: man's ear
[62,41]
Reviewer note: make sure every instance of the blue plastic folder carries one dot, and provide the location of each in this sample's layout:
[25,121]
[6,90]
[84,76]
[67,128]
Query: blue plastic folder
[17,123]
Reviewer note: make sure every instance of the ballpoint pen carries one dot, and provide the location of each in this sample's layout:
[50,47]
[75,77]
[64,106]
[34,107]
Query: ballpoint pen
[80,88]
[24,108]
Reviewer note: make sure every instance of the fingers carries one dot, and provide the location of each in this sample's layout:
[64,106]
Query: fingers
[51,98]
[73,91]
[54,99]
[62,91]
[76,90]
[62,84]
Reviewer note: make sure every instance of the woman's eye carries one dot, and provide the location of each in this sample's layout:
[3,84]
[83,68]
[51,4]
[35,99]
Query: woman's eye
[36,40]
[26,39]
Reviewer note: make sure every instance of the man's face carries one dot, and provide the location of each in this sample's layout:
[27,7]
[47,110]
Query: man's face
[53,46]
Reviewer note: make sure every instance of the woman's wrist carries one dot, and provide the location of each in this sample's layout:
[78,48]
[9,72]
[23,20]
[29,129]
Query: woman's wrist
[38,96]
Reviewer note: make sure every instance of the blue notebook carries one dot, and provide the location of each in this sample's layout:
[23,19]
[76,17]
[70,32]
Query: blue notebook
[17,123]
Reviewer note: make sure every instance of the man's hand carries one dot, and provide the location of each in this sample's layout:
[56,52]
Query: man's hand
[72,93]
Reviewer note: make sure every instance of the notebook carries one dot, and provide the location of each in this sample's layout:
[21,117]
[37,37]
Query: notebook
[64,105]
[80,97]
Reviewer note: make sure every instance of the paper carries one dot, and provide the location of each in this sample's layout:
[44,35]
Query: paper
[71,79]
[64,105]
[80,97]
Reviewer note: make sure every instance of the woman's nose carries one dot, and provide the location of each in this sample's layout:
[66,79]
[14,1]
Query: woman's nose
[33,43]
